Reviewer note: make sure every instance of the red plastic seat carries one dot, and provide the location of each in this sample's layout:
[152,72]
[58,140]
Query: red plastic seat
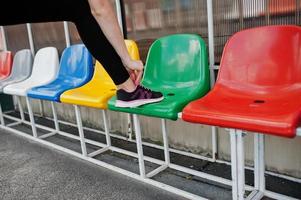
[6,61]
[258,86]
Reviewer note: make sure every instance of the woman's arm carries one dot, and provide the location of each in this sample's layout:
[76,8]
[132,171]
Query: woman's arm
[103,12]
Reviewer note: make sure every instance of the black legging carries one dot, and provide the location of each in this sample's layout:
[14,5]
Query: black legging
[76,11]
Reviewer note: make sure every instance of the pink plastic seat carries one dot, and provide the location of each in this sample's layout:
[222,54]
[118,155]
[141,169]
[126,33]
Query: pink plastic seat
[6,62]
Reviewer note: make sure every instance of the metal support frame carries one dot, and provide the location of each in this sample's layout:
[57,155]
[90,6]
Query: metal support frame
[259,163]
[31,117]
[212,67]
[156,161]
[238,164]
[55,119]
[80,131]
[1,116]
[139,146]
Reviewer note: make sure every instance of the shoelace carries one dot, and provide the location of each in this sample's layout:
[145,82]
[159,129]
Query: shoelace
[146,90]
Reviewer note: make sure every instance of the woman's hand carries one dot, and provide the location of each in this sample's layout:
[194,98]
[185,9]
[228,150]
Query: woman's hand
[135,69]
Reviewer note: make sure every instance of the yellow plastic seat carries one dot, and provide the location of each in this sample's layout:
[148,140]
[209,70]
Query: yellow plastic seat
[100,89]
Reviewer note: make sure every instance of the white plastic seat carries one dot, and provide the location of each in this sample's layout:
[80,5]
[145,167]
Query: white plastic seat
[21,69]
[44,70]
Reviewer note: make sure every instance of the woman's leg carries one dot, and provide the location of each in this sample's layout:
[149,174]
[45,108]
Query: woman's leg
[100,48]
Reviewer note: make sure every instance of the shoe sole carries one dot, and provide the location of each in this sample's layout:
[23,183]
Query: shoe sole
[136,103]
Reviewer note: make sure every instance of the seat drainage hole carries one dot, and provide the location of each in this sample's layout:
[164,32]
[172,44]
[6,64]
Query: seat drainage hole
[259,101]
[170,94]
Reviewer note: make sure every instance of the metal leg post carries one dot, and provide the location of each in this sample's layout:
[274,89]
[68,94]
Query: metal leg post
[56,123]
[165,141]
[20,108]
[139,146]
[108,138]
[1,116]
[80,130]
[31,117]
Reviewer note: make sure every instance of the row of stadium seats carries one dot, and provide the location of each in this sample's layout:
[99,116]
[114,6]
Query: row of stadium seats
[258,89]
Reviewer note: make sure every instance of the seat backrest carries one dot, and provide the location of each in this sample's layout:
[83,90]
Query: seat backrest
[262,57]
[76,64]
[22,65]
[45,65]
[6,60]
[177,61]
[101,75]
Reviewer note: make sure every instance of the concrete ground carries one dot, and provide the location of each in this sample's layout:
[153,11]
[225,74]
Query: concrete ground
[31,171]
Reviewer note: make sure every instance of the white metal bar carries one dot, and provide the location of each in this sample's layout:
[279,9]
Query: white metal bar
[158,147]
[255,195]
[119,14]
[31,117]
[298,131]
[211,67]
[20,108]
[14,123]
[105,121]
[259,164]
[157,171]
[234,169]
[80,130]
[1,116]
[48,135]
[41,107]
[149,159]
[144,143]
[240,165]
[111,167]
[67,34]
[214,142]
[278,196]
[30,38]
[201,174]
[97,152]
[3,38]
[54,113]
[139,145]
[165,142]
[211,40]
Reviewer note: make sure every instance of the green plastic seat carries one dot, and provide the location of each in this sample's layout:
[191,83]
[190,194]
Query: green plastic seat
[177,66]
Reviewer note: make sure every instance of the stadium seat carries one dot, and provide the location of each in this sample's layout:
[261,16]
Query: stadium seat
[258,86]
[96,94]
[100,89]
[44,70]
[76,68]
[6,60]
[21,69]
[176,65]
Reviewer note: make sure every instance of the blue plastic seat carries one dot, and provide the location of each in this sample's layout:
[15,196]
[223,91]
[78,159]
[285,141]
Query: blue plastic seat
[76,69]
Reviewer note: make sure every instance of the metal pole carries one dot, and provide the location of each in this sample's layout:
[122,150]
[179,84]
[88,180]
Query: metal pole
[31,44]
[67,34]
[30,38]
[233,142]
[119,14]
[56,123]
[165,141]
[105,121]
[3,38]
[1,116]
[31,117]
[240,165]
[211,67]
[20,108]
[139,145]
[80,131]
